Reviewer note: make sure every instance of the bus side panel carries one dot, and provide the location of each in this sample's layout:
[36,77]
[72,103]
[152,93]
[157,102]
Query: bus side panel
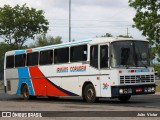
[54,84]
[71,84]
[93,80]
[53,87]
[11,80]
[38,81]
[105,86]
[24,77]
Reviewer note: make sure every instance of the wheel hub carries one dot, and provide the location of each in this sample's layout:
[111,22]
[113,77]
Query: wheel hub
[90,93]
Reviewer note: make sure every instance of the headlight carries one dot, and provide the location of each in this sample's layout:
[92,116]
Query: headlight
[149,89]
[153,89]
[121,91]
[129,90]
[145,89]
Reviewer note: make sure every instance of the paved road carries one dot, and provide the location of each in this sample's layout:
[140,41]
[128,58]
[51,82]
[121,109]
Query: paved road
[145,101]
[137,103]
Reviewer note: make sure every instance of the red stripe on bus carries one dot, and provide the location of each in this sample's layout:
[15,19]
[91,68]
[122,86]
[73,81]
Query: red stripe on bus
[29,50]
[41,86]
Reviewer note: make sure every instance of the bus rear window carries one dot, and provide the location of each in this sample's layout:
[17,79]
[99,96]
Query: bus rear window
[10,62]
[32,59]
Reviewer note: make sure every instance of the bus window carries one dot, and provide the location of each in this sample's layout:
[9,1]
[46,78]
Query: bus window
[32,59]
[61,55]
[20,60]
[94,56]
[10,62]
[46,57]
[78,53]
[103,56]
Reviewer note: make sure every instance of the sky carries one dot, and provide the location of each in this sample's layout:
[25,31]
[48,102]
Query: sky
[89,18]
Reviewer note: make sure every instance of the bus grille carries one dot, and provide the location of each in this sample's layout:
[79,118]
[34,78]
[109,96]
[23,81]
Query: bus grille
[136,79]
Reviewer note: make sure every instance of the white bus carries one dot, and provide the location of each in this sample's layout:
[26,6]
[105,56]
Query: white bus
[92,69]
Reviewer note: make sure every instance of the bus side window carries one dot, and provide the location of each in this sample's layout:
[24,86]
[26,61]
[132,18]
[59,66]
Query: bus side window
[78,53]
[32,59]
[61,55]
[103,56]
[20,60]
[46,57]
[10,62]
[94,56]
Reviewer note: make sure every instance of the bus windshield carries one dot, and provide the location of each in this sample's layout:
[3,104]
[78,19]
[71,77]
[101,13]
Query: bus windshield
[130,54]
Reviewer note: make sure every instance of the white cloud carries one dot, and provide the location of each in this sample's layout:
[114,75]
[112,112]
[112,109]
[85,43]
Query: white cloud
[89,17]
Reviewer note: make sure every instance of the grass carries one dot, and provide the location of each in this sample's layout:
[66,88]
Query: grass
[158,88]
[1,85]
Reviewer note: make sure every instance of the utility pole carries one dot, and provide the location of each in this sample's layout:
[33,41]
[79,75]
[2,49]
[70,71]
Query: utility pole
[69,20]
[127,32]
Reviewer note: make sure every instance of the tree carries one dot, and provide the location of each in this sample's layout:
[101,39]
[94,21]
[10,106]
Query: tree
[125,36]
[107,35]
[4,48]
[43,40]
[19,23]
[147,20]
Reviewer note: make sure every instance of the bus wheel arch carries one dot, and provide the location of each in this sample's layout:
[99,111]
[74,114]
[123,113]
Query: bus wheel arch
[23,84]
[89,92]
[25,92]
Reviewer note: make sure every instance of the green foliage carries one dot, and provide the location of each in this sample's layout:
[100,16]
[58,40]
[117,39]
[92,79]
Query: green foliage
[157,68]
[19,23]
[4,48]
[158,88]
[107,35]
[43,40]
[147,18]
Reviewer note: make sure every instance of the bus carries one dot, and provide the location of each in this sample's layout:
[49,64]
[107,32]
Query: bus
[93,68]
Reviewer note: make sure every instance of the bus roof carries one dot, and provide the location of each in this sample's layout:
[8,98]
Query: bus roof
[89,41]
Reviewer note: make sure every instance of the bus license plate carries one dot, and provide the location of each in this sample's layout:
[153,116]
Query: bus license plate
[138,89]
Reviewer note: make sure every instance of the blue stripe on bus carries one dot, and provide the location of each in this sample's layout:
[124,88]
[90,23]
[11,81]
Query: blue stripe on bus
[61,45]
[23,76]
[17,52]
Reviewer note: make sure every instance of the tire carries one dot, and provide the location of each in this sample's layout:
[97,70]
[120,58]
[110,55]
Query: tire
[25,93]
[124,98]
[90,94]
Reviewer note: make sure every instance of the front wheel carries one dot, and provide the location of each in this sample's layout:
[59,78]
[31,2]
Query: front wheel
[90,94]
[124,98]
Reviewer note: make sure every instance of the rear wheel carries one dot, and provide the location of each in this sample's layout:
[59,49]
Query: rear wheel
[90,94]
[124,98]
[25,92]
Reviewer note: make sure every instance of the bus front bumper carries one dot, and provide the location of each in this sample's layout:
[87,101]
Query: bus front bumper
[127,90]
